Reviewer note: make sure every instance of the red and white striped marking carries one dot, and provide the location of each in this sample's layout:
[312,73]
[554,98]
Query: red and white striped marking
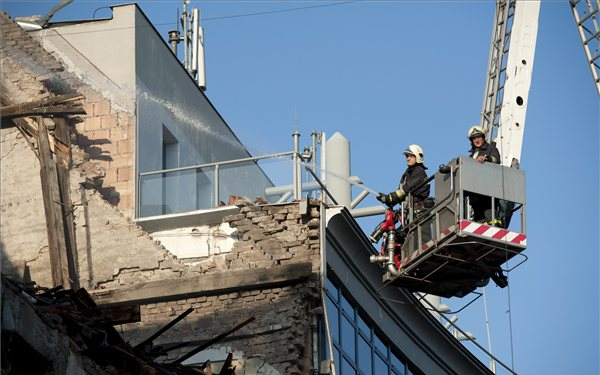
[493,232]
[466,226]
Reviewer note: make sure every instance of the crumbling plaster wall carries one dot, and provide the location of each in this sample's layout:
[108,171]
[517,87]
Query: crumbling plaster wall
[271,236]
[114,253]
[106,133]
[110,248]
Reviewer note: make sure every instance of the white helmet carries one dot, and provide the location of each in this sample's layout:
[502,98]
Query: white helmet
[417,152]
[475,131]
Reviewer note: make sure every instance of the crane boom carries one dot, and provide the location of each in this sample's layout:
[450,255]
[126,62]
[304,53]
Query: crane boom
[519,69]
[494,84]
[509,75]
[586,15]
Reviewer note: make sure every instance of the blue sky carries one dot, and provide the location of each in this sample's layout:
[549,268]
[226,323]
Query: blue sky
[390,73]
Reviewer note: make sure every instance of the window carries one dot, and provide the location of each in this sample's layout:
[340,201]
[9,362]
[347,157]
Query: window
[170,182]
[358,348]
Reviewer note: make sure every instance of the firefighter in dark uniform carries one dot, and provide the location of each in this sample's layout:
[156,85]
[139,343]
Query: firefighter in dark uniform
[410,182]
[411,179]
[482,152]
[480,149]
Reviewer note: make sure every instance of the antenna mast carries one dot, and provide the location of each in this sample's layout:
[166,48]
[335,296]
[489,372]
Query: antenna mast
[193,44]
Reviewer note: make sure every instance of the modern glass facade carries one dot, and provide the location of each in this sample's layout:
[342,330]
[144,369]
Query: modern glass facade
[357,346]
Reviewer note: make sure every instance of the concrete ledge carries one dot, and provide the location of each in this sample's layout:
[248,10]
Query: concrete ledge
[207,284]
[186,219]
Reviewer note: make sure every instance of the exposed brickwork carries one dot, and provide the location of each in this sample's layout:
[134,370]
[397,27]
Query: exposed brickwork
[114,253]
[106,135]
[273,235]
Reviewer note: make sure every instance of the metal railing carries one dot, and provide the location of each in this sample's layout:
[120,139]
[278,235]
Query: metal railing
[190,188]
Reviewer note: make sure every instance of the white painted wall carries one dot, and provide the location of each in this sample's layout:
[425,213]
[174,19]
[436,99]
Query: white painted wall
[108,45]
[198,241]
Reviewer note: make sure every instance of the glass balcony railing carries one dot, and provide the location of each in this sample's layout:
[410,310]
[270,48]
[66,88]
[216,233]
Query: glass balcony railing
[205,186]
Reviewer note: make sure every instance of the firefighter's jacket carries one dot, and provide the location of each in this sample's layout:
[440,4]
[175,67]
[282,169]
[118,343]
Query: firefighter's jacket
[413,177]
[488,150]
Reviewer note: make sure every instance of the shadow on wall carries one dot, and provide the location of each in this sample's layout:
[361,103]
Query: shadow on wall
[18,272]
[110,194]
[95,149]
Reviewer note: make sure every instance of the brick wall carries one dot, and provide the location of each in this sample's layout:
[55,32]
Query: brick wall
[272,236]
[106,135]
[114,253]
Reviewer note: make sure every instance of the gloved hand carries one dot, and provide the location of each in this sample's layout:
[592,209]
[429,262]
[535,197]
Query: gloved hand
[387,199]
[392,198]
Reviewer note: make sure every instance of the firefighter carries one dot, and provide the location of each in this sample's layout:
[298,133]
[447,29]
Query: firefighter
[411,179]
[410,182]
[480,149]
[484,152]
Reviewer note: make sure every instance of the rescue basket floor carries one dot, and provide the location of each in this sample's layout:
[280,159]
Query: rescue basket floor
[458,263]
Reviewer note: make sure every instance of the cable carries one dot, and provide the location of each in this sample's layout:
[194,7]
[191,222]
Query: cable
[280,10]
[155,25]
[487,326]
[512,352]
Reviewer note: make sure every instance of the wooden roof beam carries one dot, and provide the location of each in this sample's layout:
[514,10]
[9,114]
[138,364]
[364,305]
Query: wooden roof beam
[57,105]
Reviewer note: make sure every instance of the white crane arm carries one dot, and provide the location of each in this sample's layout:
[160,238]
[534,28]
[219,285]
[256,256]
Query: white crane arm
[519,68]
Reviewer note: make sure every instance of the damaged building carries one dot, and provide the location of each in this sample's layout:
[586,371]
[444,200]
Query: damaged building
[158,218]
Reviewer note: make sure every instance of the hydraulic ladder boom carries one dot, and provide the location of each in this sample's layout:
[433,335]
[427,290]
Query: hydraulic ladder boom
[509,76]
[586,17]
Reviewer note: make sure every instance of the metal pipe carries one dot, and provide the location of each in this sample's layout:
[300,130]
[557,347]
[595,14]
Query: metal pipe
[367,211]
[359,198]
[284,197]
[195,38]
[276,190]
[322,186]
[308,186]
[323,163]
[174,38]
[296,162]
[201,71]
[207,165]
[184,23]
[313,136]
[378,258]
[391,266]
[138,197]
[53,11]
[217,185]
[323,281]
